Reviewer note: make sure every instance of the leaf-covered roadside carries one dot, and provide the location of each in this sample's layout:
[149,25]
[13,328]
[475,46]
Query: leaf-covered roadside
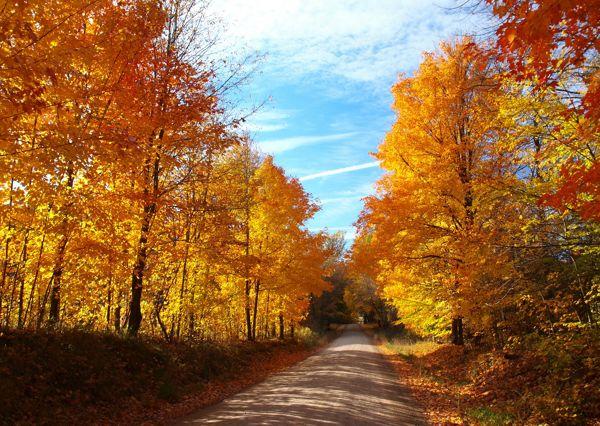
[106,379]
[534,381]
[485,229]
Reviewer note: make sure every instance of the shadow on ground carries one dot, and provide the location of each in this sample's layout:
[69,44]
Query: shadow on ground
[347,383]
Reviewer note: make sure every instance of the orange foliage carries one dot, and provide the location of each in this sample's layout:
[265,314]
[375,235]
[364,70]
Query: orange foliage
[555,44]
[486,223]
[129,198]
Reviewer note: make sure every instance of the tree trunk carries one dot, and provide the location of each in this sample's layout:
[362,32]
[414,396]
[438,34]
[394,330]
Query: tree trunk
[191,318]
[42,305]
[182,288]
[247,249]
[163,328]
[53,314]
[11,300]
[137,281]
[256,294]
[57,271]
[137,277]
[6,252]
[247,279]
[267,315]
[292,330]
[21,277]
[247,309]
[457,331]
[281,335]
[118,317]
[109,294]
[4,273]
[35,279]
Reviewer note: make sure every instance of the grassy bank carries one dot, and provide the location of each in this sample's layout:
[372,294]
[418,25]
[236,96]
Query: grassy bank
[80,377]
[532,383]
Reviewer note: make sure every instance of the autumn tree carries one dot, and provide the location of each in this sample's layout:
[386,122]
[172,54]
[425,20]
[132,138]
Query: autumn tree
[278,257]
[329,307]
[554,45]
[433,216]
[122,196]
[459,227]
[63,66]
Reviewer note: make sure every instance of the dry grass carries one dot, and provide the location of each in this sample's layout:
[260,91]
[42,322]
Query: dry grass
[410,348]
[536,383]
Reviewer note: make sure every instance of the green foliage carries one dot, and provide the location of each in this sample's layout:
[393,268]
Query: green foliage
[329,307]
[363,298]
[410,349]
[308,337]
[489,417]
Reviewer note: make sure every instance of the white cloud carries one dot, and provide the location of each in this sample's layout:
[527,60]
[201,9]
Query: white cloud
[364,189]
[272,115]
[265,127]
[359,40]
[340,170]
[340,200]
[275,146]
[268,121]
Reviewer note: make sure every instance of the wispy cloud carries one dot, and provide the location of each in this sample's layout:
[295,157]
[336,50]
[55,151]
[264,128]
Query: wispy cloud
[332,62]
[265,127]
[364,189]
[268,121]
[340,170]
[358,40]
[275,146]
[340,200]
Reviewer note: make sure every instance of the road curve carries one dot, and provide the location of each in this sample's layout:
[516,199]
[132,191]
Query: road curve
[347,383]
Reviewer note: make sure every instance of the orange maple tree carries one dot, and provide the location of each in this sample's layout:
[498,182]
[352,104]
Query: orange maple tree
[555,44]
[122,202]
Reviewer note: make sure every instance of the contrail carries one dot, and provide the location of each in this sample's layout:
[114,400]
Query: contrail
[340,170]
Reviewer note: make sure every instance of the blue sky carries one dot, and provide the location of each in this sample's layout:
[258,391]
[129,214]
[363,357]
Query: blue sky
[326,74]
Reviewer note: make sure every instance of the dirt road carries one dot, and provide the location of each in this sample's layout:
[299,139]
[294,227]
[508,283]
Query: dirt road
[347,383]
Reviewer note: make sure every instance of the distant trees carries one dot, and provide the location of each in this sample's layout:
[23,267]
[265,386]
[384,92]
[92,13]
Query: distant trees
[330,307]
[363,298]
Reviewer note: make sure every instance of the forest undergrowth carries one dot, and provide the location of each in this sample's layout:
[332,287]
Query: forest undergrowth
[533,381]
[77,377]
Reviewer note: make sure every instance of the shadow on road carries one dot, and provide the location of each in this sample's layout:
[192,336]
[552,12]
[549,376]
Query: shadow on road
[347,383]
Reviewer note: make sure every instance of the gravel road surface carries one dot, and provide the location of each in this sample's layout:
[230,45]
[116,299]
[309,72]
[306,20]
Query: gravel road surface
[347,383]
